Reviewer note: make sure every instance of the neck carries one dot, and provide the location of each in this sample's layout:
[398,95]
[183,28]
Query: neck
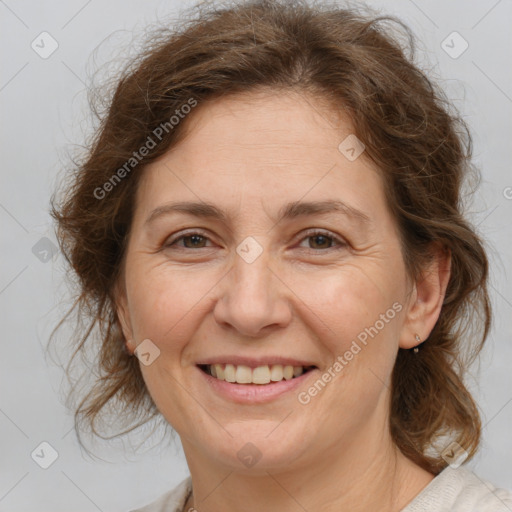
[362,476]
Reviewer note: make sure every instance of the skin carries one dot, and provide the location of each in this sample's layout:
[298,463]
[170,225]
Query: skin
[250,154]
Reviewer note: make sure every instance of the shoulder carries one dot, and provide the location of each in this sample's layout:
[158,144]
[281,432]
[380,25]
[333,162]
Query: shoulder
[172,501]
[475,493]
[461,490]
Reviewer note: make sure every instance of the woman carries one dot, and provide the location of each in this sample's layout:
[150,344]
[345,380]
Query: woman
[268,232]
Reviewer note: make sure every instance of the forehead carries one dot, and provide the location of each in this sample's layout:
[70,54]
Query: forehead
[256,150]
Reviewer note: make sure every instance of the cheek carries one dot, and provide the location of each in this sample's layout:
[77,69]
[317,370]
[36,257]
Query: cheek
[352,304]
[344,310]
[166,304]
[356,314]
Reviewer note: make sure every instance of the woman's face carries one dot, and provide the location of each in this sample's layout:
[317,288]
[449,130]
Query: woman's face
[259,272]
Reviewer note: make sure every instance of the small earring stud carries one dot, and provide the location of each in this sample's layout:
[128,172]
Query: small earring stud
[418,339]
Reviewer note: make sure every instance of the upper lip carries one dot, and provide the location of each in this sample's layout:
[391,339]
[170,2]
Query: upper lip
[254,362]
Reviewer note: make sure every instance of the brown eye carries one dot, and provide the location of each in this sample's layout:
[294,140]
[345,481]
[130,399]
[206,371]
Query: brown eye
[195,241]
[319,240]
[191,240]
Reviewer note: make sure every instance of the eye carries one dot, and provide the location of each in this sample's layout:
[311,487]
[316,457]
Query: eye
[323,240]
[192,240]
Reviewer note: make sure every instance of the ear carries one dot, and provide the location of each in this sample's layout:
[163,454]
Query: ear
[427,298]
[123,314]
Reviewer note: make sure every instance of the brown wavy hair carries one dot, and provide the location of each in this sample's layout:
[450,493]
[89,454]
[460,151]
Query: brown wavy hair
[361,62]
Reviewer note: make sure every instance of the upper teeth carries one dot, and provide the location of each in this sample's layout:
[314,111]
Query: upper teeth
[242,374]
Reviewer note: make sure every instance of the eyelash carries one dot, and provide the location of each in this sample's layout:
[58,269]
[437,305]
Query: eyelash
[309,234]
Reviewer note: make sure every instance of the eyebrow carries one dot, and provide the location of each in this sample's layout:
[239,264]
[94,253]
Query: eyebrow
[289,211]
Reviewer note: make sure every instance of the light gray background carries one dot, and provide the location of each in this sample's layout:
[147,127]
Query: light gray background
[44,110]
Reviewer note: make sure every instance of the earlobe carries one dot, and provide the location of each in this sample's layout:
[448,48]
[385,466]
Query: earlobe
[428,297]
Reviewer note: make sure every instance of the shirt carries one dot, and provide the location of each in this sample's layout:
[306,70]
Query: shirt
[452,490]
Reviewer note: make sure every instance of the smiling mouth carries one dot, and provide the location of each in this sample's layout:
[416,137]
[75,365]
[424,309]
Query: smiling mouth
[266,374]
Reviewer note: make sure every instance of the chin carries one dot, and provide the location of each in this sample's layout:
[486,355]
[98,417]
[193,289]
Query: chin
[258,447]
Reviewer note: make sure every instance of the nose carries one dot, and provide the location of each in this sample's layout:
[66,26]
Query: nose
[253,299]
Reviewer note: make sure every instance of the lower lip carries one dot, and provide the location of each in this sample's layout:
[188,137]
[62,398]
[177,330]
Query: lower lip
[254,393]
